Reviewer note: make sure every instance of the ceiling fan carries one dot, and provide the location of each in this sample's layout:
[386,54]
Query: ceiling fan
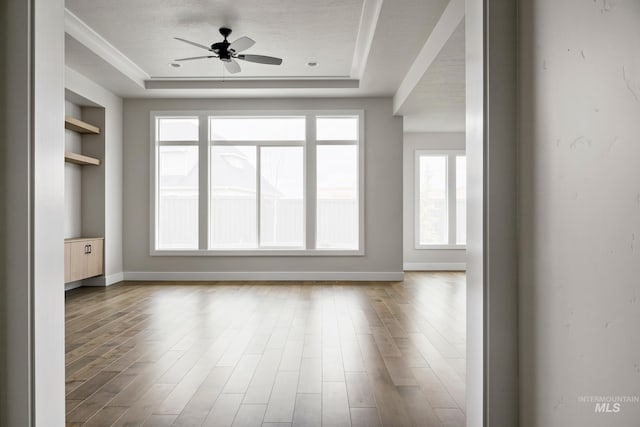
[228,52]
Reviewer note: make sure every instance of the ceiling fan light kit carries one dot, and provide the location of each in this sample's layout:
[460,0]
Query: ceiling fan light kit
[228,52]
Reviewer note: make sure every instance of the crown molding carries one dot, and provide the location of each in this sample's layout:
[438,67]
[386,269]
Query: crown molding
[251,84]
[93,41]
[366,31]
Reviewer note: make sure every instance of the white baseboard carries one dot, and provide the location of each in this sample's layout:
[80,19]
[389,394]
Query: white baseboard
[72,285]
[435,266]
[114,278]
[381,276]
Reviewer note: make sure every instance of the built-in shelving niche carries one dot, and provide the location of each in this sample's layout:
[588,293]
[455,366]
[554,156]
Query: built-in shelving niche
[84,191]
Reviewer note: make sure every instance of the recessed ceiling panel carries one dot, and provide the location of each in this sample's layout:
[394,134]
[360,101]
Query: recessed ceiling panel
[320,31]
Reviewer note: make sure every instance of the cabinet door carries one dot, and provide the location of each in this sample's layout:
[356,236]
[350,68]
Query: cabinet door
[78,264]
[67,262]
[94,258]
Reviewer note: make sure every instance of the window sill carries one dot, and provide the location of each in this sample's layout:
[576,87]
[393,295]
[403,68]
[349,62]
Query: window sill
[440,247]
[258,252]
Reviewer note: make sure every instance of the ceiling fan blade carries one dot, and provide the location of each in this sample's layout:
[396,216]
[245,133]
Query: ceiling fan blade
[232,66]
[195,57]
[243,43]
[261,59]
[193,43]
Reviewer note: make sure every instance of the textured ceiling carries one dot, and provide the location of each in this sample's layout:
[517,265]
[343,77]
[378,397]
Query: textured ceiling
[437,104]
[402,30]
[322,31]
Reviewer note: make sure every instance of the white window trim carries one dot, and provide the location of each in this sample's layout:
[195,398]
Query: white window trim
[451,199]
[309,181]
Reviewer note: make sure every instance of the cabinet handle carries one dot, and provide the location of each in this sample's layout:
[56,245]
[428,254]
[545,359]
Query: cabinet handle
[86,249]
[89,248]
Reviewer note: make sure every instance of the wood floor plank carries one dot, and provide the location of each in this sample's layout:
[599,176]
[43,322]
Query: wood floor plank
[365,417]
[283,398]
[292,355]
[351,356]
[94,403]
[389,402]
[91,386]
[359,390]
[105,416]
[418,407]
[223,411]
[434,390]
[199,406]
[270,354]
[249,416]
[145,379]
[312,346]
[156,420]
[332,367]
[335,405]
[451,417]
[308,410]
[184,391]
[142,408]
[400,371]
[241,377]
[261,384]
[310,376]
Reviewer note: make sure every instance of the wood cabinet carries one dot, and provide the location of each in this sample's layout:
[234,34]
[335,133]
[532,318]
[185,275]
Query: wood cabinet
[83,258]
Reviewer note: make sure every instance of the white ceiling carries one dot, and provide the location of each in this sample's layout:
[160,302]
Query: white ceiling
[437,103]
[299,31]
[368,45]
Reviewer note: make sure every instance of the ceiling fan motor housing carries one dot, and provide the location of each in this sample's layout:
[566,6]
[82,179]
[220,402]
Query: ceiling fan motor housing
[228,52]
[222,48]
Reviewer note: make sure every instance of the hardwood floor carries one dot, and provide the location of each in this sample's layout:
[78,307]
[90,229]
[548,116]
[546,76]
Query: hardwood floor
[268,354]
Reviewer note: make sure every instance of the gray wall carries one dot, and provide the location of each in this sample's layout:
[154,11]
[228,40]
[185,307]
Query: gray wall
[72,178]
[383,198]
[580,210]
[425,259]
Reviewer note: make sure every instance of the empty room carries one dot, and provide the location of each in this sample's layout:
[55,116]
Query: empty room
[319,213]
[235,245]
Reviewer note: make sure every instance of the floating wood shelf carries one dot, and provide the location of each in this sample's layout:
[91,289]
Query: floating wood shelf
[79,159]
[79,126]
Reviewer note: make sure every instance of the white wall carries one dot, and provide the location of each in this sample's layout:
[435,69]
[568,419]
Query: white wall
[48,211]
[425,259]
[580,210]
[72,178]
[32,205]
[383,198]
[102,211]
[492,251]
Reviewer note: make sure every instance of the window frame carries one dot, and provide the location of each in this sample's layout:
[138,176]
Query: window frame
[451,198]
[309,190]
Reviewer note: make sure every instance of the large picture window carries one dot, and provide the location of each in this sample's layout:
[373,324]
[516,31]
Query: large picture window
[258,184]
[441,200]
